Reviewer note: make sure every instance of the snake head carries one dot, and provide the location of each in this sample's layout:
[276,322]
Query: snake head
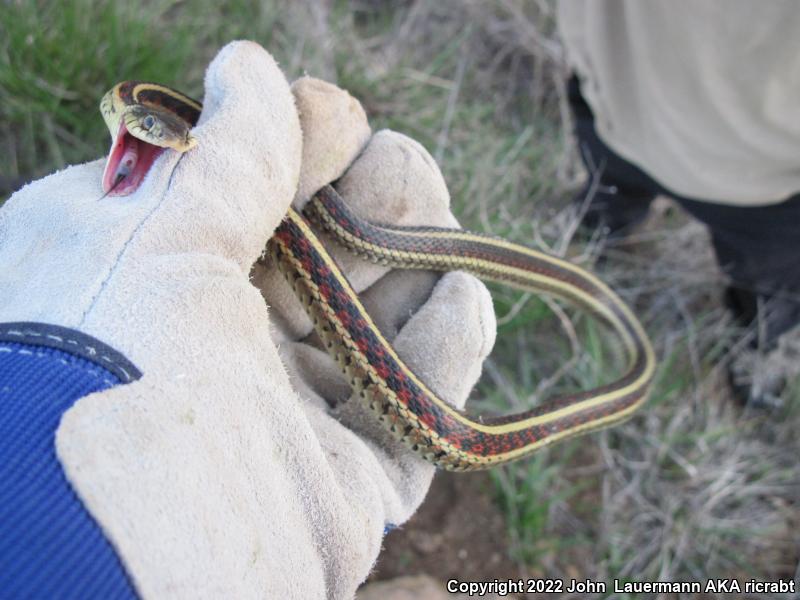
[158,127]
[143,133]
[143,119]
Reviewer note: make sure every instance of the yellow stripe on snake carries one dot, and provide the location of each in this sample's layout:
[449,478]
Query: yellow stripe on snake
[146,118]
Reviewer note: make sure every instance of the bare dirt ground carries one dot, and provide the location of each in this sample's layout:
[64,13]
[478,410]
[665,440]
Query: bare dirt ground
[459,532]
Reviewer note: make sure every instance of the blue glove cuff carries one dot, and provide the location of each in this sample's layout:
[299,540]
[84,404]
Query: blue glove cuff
[50,546]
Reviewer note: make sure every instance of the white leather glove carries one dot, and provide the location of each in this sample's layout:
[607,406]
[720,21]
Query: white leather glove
[222,472]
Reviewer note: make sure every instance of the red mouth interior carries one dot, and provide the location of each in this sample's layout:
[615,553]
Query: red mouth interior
[126,146]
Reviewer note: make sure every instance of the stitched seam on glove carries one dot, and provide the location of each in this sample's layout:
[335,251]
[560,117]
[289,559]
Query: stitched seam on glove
[72,342]
[113,270]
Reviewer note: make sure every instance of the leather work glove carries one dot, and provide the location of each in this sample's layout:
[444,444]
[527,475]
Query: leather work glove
[236,465]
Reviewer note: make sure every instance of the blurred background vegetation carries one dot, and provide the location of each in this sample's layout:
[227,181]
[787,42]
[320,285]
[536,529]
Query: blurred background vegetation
[692,488]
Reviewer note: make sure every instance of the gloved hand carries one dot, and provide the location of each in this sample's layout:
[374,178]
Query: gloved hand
[223,471]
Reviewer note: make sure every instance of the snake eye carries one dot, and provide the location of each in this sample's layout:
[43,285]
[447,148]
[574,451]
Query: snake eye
[148,122]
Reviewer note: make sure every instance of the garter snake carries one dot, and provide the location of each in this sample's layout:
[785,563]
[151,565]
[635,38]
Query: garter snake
[146,118]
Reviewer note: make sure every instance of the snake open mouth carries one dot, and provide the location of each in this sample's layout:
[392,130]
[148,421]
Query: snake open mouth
[128,163]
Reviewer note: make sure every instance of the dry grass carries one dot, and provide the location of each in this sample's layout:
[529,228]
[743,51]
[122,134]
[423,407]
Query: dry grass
[692,488]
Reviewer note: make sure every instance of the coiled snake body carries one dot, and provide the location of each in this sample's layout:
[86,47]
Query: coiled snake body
[145,118]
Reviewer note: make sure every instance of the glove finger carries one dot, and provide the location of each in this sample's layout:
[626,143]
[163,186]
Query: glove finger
[394,298]
[235,186]
[397,181]
[335,130]
[448,338]
[394,180]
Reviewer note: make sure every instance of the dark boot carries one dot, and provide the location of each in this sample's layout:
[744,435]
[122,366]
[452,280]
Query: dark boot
[759,373]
